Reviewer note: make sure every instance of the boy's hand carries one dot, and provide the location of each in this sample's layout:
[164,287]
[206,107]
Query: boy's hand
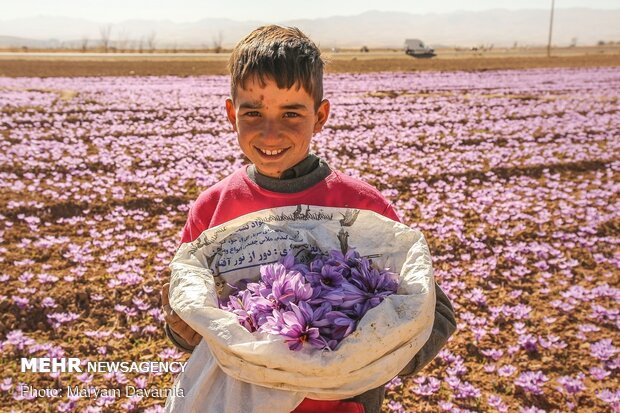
[180,327]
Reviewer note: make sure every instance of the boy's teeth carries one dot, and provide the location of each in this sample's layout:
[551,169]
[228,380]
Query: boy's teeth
[268,152]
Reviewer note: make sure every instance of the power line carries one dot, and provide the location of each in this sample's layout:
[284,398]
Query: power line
[550,29]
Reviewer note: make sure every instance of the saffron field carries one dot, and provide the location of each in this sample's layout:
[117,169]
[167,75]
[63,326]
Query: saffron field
[513,176]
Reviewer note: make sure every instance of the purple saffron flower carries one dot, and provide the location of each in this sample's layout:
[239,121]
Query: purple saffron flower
[296,329]
[316,303]
[610,397]
[333,296]
[599,373]
[393,384]
[427,386]
[531,409]
[528,342]
[340,325]
[291,288]
[494,354]
[7,383]
[507,370]
[395,407]
[352,295]
[331,276]
[531,381]
[291,264]
[241,305]
[497,403]
[603,349]
[466,390]
[571,385]
[272,272]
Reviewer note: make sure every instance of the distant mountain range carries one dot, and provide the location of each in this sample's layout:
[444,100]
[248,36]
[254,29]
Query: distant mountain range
[373,28]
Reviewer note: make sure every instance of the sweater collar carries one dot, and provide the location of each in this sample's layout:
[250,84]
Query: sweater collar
[299,177]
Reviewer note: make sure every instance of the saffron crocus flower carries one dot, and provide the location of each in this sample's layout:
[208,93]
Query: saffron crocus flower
[329,277]
[373,281]
[598,373]
[340,325]
[571,385]
[352,295]
[291,264]
[532,381]
[603,349]
[350,259]
[272,272]
[320,303]
[273,323]
[241,305]
[297,330]
[291,288]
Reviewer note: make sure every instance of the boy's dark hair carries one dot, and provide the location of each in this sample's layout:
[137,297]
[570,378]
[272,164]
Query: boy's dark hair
[283,54]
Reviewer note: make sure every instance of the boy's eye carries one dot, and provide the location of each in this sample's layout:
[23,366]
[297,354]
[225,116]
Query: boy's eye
[291,115]
[252,113]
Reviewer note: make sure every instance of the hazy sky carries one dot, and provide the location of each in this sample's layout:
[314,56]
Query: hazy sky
[263,10]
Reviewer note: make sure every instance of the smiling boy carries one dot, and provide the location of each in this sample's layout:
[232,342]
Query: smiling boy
[274,126]
[276,106]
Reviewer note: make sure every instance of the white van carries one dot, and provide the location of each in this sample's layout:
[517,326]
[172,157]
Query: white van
[417,48]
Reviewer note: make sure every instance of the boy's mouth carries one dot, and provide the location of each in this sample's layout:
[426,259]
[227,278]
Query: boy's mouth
[272,153]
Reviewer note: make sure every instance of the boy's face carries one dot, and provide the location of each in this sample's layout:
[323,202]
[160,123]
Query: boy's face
[274,126]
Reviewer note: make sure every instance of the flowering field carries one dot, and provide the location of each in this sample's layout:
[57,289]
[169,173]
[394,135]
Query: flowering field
[513,177]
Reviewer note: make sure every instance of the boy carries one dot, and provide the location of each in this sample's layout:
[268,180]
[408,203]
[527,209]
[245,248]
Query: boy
[276,106]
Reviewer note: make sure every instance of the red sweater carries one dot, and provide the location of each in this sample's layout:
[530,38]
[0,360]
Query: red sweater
[237,195]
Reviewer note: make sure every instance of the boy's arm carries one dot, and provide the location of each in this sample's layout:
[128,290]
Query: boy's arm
[443,327]
[177,340]
[191,231]
[177,330]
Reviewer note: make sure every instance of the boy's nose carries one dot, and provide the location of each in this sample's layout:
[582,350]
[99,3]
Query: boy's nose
[271,130]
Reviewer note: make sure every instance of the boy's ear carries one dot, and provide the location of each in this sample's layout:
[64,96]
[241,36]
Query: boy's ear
[322,114]
[231,113]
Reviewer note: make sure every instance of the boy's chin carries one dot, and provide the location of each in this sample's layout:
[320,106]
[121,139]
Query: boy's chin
[271,172]
[274,168]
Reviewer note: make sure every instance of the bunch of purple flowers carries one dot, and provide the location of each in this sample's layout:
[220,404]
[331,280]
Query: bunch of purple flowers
[319,303]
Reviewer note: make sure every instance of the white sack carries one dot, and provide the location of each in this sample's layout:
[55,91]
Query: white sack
[233,370]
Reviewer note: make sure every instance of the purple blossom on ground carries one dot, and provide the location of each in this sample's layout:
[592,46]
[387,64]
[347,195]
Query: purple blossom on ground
[531,409]
[528,342]
[512,175]
[531,381]
[599,373]
[395,407]
[394,383]
[489,368]
[571,385]
[467,390]
[426,386]
[18,339]
[7,383]
[497,403]
[507,370]
[603,349]
[610,397]
[494,354]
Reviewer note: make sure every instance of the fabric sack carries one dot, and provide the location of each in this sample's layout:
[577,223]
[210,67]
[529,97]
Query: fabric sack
[233,370]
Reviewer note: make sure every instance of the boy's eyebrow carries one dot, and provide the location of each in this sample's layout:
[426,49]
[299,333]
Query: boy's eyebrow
[259,105]
[294,106]
[251,105]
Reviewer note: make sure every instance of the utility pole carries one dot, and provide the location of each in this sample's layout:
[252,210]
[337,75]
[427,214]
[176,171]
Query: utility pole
[550,29]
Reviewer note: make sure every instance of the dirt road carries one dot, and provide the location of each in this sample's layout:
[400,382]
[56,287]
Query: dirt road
[53,64]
